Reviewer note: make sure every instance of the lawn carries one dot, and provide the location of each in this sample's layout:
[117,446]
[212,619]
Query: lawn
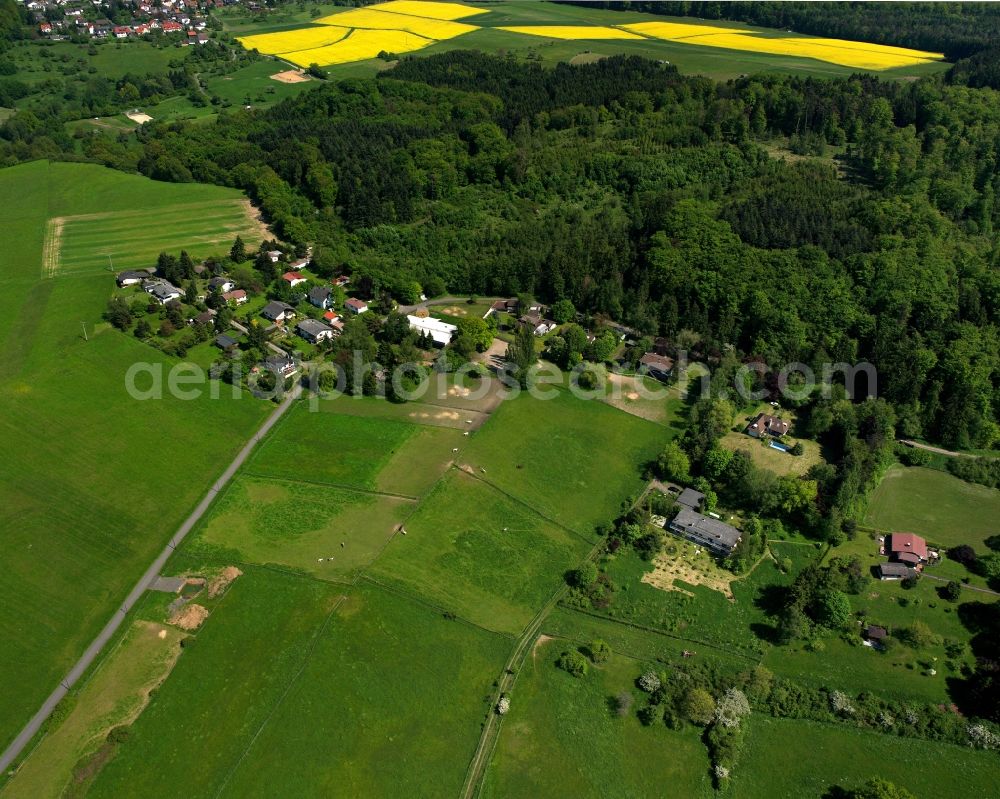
[389,704]
[424,413]
[224,688]
[322,530]
[561,739]
[767,457]
[114,694]
[479,554]
[570,459]
[940,507]
[329,448]
[86,506]
[786,759]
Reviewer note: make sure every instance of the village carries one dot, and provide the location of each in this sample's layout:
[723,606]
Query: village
[184,20]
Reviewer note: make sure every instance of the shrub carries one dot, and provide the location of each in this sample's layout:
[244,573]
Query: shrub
[699,706]
[622,704]
[963,554]
[599,651]
[731,708]
[649,682]
[952,591]
[573,662]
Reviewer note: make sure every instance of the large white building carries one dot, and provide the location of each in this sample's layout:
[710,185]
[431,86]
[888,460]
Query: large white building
[440,331]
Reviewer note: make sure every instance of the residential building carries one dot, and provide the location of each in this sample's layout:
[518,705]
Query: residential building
[293,278]
[719,537]
[764,424]
[277,311]
[239,296]
[131,277]
[657,366]
[313,331]
[321,297]
[282,365]
[440,332]
[691,499]
[906,548]
[222,284]
[895,571]
[226,343]
[356,306]
[164,292]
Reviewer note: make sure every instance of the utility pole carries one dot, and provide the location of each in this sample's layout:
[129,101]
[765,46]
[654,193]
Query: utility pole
[84,325]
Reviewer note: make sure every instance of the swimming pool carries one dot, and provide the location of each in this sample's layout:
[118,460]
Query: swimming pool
[782,447]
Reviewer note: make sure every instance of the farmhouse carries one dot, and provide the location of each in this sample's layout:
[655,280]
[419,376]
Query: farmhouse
[895,571]
[294,279]
[658,366]
[356,306]
[766,425]
[313,331]
[717,536]
[501,306]
[538,324]
[277,311]
[239,296]
[131,277]
[906,548]
[321,297]
[440,332]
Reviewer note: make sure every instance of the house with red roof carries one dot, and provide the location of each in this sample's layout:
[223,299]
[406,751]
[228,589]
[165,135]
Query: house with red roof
[293,279]
[169,26]
[239,296]
[906,548]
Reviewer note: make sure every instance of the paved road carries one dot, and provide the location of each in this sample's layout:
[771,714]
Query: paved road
[92,651]
[964,586]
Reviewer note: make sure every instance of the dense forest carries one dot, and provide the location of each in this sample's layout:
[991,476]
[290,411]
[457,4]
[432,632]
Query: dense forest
[644,196]
[955,29]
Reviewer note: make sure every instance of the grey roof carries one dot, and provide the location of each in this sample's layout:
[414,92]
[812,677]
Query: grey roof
[691,521]
[275,308]
[689,498]
[219,281]
[896,570]
[225,341]
[313,328]
[168,585]
[164,291]
[319,293]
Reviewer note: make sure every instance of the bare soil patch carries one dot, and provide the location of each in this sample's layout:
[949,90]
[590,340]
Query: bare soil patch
[190,617]
[688,568]
[138,116]
[291,76]
[254,217]
[586,58]
[218,584]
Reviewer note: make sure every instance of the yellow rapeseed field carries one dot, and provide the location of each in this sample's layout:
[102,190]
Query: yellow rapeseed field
[425,8]
[675,30]
[574,32]
[388,21]
[359,46]
[858,55]
[288,41]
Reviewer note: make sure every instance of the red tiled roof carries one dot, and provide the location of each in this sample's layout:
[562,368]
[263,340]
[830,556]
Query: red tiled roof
[238,294]
[908,543]
[290,276]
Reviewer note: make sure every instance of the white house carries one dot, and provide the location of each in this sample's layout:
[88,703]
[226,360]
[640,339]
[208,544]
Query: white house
[440,332]
[356,306]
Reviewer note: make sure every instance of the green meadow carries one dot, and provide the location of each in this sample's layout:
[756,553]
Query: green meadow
[222,690]
[560,737]
[389,703]
[570,459]
[793,759]
[940,507]
[479,554]
[325,531]
[87,505]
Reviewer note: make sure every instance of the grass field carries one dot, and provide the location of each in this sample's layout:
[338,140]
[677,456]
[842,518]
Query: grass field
[90,244]
[86,505]
[207,713]
[561,739]
[573,460]
[389,704]
[114,695]
[940,507]
[325,531]
[479,554]
[787,759]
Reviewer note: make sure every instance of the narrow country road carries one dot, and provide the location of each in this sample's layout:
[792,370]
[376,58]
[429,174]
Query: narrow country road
[939,450]
[92,651]
[423,306]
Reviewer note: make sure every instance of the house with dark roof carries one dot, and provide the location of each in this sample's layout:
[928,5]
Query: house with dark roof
[534,319]
[713,534]
[203,318]
[895,571]
[656,366]
[764,424]
[321,297]
[226,343]
[875,633]
[222,284]
[164,292]
[313,331]
[691,499]
[277,311]
[131,277]
[282,365]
